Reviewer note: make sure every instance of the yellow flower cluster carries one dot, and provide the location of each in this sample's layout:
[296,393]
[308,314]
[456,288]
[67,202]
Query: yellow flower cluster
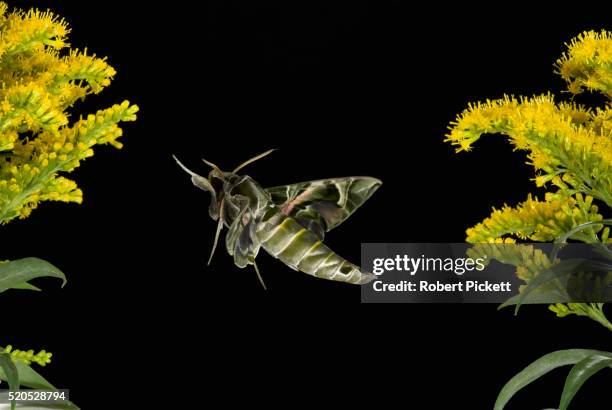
[567,143]
[588,63]
[40,82]
[592,310]
[528,260]
[570,147]
[28,357]
[540,221]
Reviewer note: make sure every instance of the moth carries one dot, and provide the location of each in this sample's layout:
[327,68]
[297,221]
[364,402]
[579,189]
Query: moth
[289,222]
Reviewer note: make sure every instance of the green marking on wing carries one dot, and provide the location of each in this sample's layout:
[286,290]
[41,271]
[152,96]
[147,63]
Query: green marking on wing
[324,204]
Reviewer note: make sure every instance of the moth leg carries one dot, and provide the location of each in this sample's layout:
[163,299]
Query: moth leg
[259,276]
[218,233]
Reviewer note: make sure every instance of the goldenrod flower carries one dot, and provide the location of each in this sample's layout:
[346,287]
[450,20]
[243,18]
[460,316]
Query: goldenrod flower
[528,260]
[592,310]
[42,358]
[588,63]
[40,83]
[570,147]
[563,140]
[38,143]
[538,220]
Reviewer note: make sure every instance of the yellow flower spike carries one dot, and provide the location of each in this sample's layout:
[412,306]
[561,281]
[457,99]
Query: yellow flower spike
[564,146]
[588,63]
[534,220]
[560,309]
[42,358]
[41,84]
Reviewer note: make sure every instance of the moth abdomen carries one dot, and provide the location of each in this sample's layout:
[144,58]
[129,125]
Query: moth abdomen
[301,249]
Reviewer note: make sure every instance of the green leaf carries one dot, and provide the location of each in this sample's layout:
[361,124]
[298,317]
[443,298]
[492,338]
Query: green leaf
[540,367]
[11,374]
[16,274]
[538,296]
[563,238]
[560,271]
[579,374]
[27,286]
[30,378]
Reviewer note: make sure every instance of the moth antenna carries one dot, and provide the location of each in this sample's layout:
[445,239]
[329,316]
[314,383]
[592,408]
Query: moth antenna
[250,161]
[219,228]
[213,166]
[187,170]
[259,276]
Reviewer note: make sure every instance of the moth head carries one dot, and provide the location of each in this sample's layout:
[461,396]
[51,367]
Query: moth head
[216,180]
[205,184]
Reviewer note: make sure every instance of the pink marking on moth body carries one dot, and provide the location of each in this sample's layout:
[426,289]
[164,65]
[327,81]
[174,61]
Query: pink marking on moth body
[245,219]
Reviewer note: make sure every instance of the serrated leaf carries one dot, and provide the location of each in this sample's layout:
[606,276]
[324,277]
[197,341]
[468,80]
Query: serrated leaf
[579,374]
[16,274]
[539,368]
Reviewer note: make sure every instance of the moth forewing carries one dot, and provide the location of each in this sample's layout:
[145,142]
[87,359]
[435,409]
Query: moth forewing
[333,199]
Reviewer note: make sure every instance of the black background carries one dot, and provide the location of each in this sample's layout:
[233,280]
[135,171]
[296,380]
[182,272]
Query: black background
[350,89]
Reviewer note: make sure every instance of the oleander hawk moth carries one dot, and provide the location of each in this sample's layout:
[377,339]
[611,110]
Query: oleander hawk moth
[289,222]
